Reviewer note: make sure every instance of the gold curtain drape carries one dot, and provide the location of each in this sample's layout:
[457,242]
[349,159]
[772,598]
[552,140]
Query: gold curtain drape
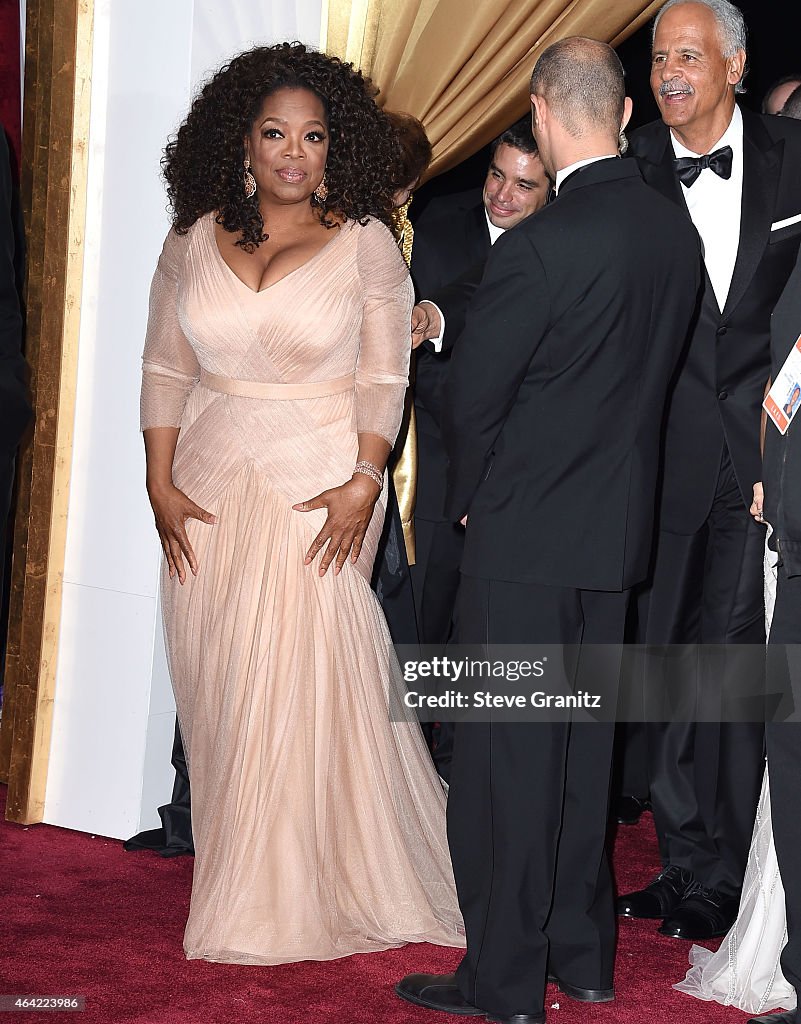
[463,66]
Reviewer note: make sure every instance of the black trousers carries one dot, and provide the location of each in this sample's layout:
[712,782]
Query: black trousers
[441,582]
[705,778]
[527,811]
[175,835]
[435,577]
[391,576]
[784,765]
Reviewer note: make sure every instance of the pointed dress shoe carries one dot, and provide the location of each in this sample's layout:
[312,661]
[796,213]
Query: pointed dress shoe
[440,992]
[436,992]
[788,1017]
[702,914]
[582,995]
[658,899]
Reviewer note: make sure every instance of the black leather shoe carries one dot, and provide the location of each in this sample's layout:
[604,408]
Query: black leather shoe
[519,1018]
[436,992]
[702,914]
[583,995]
[440,992]
[658,899]
[628,809]
[788,1017]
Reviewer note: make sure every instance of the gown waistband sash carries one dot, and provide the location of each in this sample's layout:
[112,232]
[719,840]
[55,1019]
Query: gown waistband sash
[276,391]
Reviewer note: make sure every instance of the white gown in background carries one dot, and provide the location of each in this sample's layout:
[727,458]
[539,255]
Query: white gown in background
[745,970]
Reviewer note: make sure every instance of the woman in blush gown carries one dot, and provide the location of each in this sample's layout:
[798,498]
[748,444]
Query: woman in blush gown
[274,374]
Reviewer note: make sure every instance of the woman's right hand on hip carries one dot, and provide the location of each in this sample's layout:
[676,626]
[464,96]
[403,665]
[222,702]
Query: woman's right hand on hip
[171,509]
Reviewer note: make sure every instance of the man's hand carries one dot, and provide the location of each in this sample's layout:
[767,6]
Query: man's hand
[426,323]
[756,504]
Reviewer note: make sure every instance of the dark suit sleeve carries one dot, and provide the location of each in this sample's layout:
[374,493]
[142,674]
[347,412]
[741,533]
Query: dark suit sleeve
[14,408]
[454,300]
[507,321]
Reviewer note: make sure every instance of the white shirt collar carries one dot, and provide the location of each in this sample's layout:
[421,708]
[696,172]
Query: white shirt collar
[494,231]
[561,175]
[733,136]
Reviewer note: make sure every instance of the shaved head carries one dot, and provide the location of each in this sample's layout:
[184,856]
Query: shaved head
[792,108]
[581,80]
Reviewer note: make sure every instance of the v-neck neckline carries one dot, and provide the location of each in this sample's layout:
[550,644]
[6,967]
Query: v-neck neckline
[343,229]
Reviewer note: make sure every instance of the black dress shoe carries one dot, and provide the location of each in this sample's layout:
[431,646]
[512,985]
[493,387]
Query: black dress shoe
[436,992]
[518,1018]
[583,995]
[659,898]
[628,809]
[440,992]
[702,914]
[788,1017]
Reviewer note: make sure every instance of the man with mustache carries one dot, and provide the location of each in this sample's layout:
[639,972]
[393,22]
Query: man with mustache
[736,176]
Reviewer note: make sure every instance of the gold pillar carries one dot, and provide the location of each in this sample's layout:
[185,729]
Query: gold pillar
[57,88]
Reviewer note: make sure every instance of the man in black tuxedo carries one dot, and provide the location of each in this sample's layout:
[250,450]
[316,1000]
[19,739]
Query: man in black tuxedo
[451,243]
[777,500]
[735,175]
[552,425]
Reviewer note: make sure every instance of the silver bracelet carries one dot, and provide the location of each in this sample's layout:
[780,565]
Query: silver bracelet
[370,470]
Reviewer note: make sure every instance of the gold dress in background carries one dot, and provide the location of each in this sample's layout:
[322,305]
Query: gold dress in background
[319,824]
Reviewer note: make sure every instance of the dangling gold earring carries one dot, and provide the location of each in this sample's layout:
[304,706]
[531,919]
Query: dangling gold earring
[248,180]
[321,192]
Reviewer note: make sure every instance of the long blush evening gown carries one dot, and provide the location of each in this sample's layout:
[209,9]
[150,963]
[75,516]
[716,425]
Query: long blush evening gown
[319,823]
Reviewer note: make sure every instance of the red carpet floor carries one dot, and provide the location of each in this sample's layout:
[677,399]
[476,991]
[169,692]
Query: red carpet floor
[79,916]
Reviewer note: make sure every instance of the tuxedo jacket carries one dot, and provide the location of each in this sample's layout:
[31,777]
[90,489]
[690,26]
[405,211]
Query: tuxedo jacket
[451,239]
[781,470]
[720,385]
[555,399]
[15,411]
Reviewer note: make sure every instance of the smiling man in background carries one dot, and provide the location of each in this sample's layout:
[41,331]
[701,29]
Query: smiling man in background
[453,239]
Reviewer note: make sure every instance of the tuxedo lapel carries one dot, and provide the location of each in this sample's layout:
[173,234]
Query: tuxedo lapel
[477,233]
[656,164]
[761,171]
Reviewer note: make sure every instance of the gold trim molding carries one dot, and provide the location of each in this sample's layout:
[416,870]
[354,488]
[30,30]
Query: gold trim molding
[56,109]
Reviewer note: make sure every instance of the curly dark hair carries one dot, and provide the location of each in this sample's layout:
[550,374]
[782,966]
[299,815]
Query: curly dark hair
[203,163]
[414,149]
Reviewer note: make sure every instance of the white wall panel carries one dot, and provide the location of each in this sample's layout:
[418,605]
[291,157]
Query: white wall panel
[97,757]
[221,30]
[112,729]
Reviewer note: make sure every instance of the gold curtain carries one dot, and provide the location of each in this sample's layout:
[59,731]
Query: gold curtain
[463,66]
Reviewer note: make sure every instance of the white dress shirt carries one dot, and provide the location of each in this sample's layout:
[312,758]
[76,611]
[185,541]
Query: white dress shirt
[715,205]
[561,175]
[494,231]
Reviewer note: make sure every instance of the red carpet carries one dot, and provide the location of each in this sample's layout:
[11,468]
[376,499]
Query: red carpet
[79,916]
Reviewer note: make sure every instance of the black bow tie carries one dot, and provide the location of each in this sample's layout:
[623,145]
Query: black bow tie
[689,167]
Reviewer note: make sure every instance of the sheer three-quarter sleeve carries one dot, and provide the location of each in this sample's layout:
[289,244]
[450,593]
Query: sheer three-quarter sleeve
[382,369]
[170,369]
